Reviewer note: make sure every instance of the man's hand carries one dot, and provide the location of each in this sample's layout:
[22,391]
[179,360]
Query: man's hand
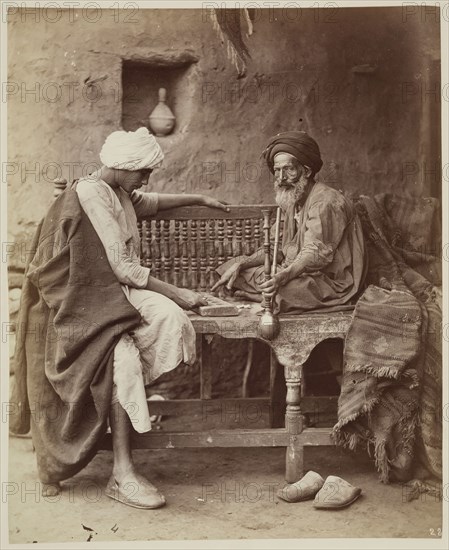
[228,278]
[214,203]
[271,287]
[188,299]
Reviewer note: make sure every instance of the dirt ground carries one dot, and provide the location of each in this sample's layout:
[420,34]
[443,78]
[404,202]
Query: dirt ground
[211,494]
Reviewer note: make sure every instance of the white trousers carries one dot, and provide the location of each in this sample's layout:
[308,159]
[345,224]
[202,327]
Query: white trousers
[164,338]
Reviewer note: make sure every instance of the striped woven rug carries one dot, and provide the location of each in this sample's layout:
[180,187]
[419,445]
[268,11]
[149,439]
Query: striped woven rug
[390,399]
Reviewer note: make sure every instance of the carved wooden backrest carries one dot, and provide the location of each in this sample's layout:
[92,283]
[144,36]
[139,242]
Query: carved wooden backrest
[184,246]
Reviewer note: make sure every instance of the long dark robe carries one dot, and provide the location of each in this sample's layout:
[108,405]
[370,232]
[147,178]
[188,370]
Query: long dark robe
[71,315]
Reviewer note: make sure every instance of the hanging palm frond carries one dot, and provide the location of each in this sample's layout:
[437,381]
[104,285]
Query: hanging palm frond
[228,24]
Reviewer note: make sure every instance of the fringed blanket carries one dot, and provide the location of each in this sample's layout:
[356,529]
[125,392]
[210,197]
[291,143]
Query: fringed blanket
[391,392]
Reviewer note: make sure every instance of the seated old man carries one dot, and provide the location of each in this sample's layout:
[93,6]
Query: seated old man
[322,253]
[110,327]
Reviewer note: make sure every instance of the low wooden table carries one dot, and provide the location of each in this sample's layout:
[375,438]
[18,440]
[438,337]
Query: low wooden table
[298,336]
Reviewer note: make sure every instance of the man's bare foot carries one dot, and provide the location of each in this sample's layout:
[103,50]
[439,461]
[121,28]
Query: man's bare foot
[51,489]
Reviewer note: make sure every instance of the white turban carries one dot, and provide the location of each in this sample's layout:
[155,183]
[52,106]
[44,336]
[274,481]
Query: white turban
[131,150]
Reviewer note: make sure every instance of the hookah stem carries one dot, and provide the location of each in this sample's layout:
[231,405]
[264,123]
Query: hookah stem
[266,246]
[276,247]
[276,241]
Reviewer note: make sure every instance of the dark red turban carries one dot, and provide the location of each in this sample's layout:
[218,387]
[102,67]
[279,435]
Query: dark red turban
[299,144]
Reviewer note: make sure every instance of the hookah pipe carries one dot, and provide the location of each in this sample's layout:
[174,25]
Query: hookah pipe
[269,323]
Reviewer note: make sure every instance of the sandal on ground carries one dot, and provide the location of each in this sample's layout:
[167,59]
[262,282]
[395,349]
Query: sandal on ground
[304,489]
[144,495]
[336,493]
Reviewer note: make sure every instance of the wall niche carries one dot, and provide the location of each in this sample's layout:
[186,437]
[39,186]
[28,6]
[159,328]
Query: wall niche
[141,81]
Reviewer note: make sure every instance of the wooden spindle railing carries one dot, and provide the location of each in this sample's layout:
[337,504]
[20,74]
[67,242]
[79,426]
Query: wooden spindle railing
[177,258]
[194,254]
[211,252]
[185,254]
[220,236]
[229,239]
[248,237]
[157,249]
[190,242]
[59,186]
[166,256]
[257,236]
[146,257]
[238,237]
[203,255]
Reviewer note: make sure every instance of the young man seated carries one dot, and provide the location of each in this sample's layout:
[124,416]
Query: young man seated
[133,327]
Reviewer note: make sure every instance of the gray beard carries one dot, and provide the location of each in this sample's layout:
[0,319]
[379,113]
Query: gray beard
[287,197]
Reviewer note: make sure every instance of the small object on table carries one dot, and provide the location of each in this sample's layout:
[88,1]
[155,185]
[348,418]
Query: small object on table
[216,307]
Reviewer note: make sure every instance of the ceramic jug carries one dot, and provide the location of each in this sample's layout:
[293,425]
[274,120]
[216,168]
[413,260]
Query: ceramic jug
[162,120]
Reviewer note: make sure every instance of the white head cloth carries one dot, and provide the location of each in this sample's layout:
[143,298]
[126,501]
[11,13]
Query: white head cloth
[131,150]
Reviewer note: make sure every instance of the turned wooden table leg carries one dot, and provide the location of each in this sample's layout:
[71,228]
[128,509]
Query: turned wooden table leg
[278,392]
[204,359]
[294,423]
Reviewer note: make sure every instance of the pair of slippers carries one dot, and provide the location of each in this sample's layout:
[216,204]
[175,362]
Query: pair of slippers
[330,494]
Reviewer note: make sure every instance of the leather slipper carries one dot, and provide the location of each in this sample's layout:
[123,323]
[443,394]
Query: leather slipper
[304,489]
[336,493]
[144,496]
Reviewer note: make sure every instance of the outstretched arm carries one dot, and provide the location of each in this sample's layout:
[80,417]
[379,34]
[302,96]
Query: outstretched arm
[147,204]
[167,201]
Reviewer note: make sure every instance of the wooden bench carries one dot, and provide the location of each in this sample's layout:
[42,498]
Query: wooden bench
[183,246]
